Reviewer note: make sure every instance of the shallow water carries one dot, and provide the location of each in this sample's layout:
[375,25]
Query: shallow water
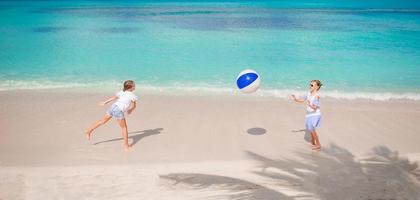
[355,48]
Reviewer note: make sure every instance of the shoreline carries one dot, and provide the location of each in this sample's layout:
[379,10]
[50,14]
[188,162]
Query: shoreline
[284,94]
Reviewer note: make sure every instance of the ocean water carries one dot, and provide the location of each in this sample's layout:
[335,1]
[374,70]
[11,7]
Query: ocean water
[358,49]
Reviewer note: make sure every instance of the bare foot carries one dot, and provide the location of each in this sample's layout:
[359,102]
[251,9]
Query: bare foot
[316,147]
[127,147]
[88,134]
[310,144]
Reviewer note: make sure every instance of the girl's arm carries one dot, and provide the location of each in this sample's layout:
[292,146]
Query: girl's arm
[108,100]
[315,105]
[297,99]
[133,106]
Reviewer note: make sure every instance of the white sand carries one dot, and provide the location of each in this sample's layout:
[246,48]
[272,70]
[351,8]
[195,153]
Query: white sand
[214,147]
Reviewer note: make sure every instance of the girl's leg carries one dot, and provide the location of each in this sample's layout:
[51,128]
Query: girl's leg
[98,123]
[124,132]
[315,140]
[312,138]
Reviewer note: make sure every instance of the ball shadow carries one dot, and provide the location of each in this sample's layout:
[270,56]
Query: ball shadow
[256,131]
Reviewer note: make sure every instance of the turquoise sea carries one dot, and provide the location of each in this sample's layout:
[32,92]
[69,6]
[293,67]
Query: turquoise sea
[359,49]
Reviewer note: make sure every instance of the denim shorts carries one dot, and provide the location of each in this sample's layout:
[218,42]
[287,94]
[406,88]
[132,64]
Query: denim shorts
[115,112]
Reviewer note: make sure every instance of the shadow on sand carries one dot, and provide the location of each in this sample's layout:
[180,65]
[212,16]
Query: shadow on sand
[256,131]
[137,137]
[332,174]
[231,188]
[307,137]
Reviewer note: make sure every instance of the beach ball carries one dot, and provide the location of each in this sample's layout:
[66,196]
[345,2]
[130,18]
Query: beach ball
[248,81]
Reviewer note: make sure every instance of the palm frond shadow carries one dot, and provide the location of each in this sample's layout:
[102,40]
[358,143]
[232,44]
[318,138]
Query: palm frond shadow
[227,187]
[337,174]
[333,174]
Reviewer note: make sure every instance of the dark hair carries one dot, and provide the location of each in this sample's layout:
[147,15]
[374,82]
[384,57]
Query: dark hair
[128,84]
[318,82]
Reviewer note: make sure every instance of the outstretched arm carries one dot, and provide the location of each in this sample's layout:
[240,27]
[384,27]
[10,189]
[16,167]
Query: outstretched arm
[299,100]
[132,107]
[102,103]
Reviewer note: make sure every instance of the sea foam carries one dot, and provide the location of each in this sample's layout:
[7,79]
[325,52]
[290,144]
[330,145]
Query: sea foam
[206,89]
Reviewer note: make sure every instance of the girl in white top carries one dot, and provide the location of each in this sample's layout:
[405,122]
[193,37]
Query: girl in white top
[126,102]
[313,111]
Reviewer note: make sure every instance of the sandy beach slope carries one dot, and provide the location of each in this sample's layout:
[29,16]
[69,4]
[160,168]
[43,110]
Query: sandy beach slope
[206,147]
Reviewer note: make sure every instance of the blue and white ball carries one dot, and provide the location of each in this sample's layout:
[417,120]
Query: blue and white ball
[248,81]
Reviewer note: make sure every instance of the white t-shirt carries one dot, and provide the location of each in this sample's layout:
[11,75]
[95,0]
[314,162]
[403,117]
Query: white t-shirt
[124,99]
[314,101]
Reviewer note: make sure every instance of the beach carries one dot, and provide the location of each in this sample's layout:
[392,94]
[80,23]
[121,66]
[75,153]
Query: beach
[206,147]
[194,134]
